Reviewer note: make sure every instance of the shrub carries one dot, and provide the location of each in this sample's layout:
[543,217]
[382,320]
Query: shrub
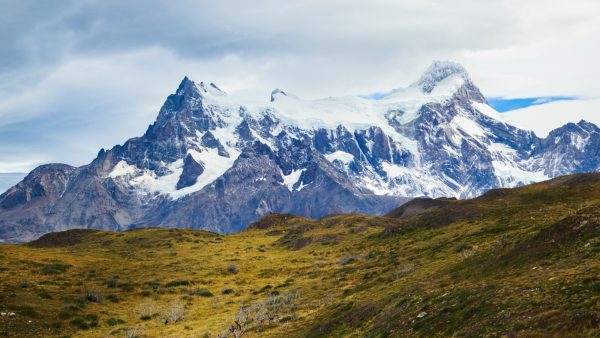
[65,315]
[92,317]
[173,313]
[263,289]
[153,284]
[462,247]
[80,324]
[232,269]
[202,292]
[465,250]
[54,268]
[26,310]
[227,291]
[594,286]
[347,259]
[113,298]
[92,296]
[44,295]
[128,287]
[146,310]
[111,283]
[56,325]
[72,307]
[133,332]
[114,321]
[177,282]
[403,271]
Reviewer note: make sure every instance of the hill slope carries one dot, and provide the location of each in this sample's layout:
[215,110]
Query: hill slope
[523,261]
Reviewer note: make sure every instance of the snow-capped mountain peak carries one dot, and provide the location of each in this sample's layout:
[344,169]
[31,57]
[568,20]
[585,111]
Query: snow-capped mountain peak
[437,72]
[212,161]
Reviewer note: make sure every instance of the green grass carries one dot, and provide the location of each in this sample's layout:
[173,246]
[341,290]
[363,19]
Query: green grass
[515,262]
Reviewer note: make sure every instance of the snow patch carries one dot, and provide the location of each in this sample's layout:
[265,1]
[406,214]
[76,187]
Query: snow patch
[393,171]
[341,156]
[579,142]
[512,176]
[292,178]
[215,166]
[149,182]
[468,126]
[122,169]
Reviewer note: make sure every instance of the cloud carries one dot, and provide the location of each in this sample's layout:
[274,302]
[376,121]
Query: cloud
[8,180]
[88,74]
[544,118]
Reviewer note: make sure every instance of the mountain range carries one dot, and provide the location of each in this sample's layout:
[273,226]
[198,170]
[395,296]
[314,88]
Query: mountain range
[213,162]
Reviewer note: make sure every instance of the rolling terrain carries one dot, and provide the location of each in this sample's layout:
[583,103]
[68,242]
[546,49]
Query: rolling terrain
[514,262]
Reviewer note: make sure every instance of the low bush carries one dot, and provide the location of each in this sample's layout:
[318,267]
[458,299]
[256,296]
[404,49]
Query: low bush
[80,323]
[232,269]
[177,282]
[202,292]
[54,268]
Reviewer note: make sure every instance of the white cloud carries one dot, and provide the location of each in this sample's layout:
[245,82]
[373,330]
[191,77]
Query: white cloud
[90,74]
[544,118]
[8,180]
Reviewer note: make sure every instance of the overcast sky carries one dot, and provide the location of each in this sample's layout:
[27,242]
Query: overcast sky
[76,76]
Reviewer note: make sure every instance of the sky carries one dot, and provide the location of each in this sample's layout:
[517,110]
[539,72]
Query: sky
[77,76]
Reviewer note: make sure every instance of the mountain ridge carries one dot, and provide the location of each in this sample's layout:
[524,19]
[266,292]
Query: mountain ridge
[212,162]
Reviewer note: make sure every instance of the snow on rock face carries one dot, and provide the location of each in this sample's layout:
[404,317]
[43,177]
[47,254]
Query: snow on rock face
[290,180]
[437,137]
[214,162]
[341,156]
[122,169]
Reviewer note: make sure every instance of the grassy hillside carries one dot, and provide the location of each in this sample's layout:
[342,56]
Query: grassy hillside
[519,262]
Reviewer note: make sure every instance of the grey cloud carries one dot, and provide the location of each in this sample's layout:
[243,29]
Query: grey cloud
[79,75]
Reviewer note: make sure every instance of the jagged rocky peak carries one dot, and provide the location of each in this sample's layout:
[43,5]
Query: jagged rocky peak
[575,136]
[48,180]
[186,87]
[580,128]
[189,88]
[183,112]
[439,71]
[587,126]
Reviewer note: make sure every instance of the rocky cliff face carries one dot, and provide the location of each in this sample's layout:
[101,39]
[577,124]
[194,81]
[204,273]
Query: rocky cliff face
[212,162]
[25,207]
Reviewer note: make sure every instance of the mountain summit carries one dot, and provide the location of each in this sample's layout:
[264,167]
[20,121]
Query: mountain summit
[213,162]
[439,71]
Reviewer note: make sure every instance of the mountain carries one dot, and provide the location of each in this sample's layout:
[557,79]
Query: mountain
[212,162]
[520,262]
